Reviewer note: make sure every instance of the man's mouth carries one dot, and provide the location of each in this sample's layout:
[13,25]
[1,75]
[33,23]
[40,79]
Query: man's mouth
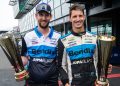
[78,23]
[44,22]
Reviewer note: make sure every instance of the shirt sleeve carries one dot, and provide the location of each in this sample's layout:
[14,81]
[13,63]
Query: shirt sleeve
[24,48]
[62,63]
[95,57]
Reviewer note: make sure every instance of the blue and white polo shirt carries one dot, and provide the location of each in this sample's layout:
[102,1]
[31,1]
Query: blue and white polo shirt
[42,52]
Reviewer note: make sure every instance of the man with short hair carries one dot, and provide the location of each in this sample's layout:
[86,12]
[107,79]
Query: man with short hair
[40,45]
[77,52]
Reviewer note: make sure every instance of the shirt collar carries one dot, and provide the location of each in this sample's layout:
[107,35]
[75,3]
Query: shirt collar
[78,34]
[39,34]
[51,33]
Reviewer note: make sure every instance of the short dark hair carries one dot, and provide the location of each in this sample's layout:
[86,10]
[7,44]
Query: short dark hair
[76,7]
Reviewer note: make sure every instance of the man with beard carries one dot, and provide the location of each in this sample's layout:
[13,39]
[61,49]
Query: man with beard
[77,52]
[40,45]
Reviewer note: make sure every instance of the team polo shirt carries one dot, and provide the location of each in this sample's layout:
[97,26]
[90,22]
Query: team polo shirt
[42,52]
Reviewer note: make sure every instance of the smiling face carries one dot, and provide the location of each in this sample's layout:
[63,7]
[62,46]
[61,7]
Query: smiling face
[43,19]
[77,19]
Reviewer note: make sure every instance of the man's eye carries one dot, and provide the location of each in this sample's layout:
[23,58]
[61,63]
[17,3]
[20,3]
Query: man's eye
[46,14]
[80,15]
[40,14]
[74,16]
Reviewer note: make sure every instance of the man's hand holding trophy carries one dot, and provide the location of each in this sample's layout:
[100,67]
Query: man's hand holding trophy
[9,45]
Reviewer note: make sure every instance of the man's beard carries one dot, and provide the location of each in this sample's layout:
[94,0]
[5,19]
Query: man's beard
[44,27]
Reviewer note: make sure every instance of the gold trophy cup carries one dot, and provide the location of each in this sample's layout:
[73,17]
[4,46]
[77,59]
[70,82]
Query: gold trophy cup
[12,52]
[105,44]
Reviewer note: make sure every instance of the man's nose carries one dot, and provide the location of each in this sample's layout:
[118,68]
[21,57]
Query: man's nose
[78,18]
[44,17]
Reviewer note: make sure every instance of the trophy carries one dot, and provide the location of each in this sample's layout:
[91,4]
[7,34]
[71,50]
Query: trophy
[12,51]
[105,44]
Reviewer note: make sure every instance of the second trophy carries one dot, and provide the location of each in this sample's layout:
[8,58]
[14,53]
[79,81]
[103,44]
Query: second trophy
[105,44]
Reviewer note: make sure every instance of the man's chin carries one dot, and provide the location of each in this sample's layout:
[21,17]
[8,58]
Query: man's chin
[78,27]
[43,26]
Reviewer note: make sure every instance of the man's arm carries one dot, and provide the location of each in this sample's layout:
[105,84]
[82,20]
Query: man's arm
[62,64]
[24,60]
[23,52]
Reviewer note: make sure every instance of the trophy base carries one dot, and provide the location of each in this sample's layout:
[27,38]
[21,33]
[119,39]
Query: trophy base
[21,75]
[102,83]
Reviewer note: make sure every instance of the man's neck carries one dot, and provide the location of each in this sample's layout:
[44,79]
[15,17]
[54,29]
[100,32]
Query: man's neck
[79,30]
[44,31]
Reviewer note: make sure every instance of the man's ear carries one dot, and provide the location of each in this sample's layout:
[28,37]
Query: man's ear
[84,17]
[36,15]
[50,16]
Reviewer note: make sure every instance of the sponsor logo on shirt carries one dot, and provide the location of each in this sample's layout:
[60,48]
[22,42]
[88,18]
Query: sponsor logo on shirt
[34,40]
[81,61]
[53,41]
[85,74]
[45,60]
[87,50]
[48,51]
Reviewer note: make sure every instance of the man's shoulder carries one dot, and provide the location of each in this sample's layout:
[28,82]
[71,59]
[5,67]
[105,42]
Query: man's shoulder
[91,33]
[56,34]
[65,36]
[30,33]
[90,36]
